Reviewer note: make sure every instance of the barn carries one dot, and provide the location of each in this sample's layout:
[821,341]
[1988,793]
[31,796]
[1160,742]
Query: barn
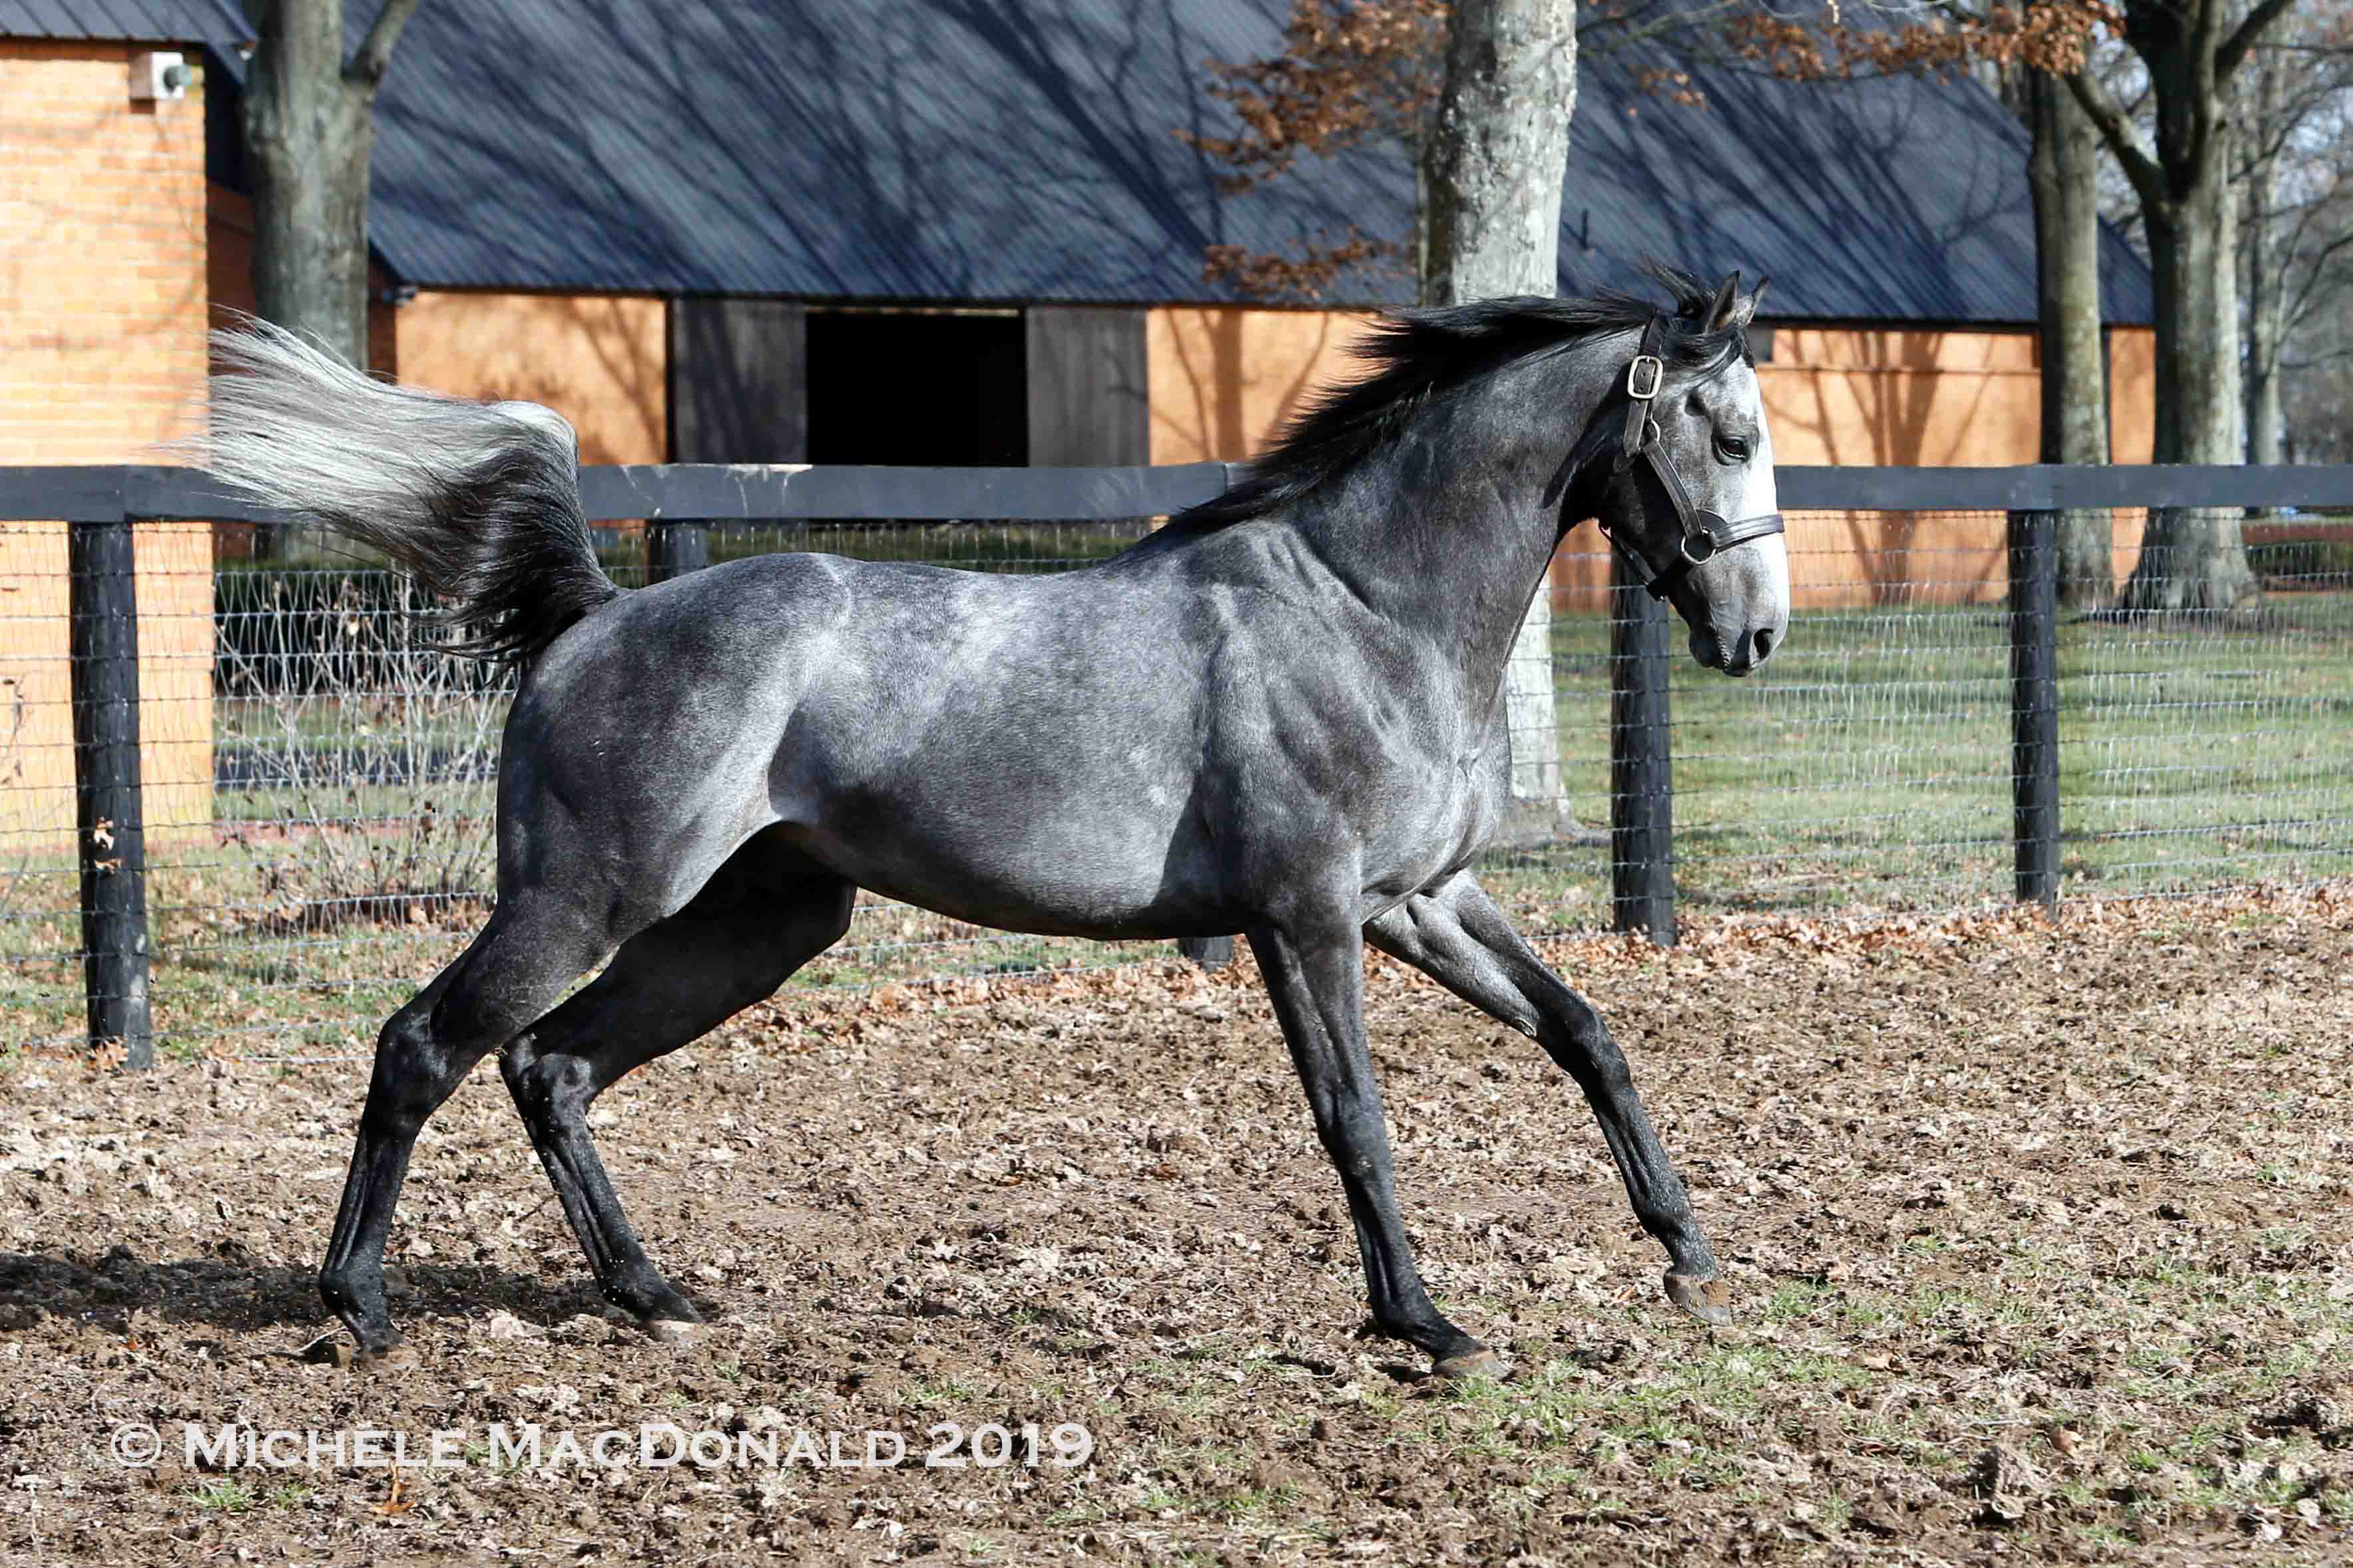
[928,232]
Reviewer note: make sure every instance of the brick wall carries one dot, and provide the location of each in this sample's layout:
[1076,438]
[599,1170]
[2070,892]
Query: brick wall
[102,316]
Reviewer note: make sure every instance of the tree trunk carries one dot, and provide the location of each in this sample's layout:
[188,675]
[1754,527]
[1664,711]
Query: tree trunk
[310,127]
[1497,156]
[2064,174]
[308,130]
[2191,559]
[2195,558]
[1499,149]
[2267,300]
[2266,421]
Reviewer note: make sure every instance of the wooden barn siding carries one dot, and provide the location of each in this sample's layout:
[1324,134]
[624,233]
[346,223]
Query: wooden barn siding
[102,315]
[738,381]
[599,360]
[1224,380]
[1088,386]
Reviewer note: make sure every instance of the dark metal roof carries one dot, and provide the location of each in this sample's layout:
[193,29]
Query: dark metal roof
[1026,150]
[128,21]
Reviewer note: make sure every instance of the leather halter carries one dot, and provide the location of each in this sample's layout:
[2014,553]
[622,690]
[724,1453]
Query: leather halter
[1704,533]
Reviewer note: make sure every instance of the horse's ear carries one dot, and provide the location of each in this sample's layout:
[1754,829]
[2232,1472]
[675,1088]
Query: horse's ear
[1719,309]
[1746,311]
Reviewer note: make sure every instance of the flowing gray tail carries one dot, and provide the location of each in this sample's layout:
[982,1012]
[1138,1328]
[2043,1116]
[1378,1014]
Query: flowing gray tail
[480,501]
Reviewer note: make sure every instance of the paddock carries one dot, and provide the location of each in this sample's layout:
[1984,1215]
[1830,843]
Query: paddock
[2036,1228]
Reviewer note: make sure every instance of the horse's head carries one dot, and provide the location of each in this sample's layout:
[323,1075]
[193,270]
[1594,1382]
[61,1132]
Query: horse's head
[1687,493]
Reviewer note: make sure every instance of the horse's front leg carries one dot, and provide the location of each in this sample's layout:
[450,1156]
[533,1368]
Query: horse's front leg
[1315,973]
[1457,936]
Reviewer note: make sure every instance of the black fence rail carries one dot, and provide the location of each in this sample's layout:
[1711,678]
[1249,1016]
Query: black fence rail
[1941,730]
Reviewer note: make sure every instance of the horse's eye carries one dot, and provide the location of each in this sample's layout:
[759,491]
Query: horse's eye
[1732,448]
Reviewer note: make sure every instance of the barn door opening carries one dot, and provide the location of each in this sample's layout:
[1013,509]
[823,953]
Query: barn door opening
[917,388]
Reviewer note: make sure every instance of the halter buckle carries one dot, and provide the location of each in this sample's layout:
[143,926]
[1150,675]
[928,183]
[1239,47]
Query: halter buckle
[1637,388]
[1707,547]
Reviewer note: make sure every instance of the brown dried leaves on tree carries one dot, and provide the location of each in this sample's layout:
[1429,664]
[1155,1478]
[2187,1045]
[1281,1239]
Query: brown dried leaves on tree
[1351,71]
[2048,36]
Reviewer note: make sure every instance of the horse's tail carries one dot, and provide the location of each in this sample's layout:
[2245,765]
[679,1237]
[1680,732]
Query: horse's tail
[480,501]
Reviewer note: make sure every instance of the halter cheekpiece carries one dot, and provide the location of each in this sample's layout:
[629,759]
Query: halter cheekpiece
[1704,533]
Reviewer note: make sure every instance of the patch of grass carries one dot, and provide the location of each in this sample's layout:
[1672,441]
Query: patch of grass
[225,1496]
[1247,1505]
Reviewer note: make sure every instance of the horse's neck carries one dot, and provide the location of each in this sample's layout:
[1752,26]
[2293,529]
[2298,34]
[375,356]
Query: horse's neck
[1452,567]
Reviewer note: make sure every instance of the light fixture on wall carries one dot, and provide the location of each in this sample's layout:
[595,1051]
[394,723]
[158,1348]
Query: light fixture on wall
[160,76]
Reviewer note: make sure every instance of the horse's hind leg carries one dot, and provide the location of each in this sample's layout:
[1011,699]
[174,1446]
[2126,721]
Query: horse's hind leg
[768,911]
[521,961]
[1457,936]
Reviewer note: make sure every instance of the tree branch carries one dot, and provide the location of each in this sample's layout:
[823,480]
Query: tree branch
[2234,48]
[2124,140]
[374,57]
[2318,276]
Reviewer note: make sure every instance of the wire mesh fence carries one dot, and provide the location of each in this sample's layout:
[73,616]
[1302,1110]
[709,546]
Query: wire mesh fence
[1867,769]
[317,783]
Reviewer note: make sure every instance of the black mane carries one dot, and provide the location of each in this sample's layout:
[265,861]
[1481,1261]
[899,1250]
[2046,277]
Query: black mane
[1422,355]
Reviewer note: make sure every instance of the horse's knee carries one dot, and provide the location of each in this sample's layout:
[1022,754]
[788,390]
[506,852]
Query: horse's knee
[410,1076]
[1583,1044]
[547,1087]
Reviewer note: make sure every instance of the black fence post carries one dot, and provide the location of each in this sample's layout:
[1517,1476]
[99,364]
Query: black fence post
[2034,702]
[1642,774]
[674,549]
[103,639]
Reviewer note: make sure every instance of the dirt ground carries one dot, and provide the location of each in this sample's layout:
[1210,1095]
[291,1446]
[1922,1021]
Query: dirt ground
[2037,1233]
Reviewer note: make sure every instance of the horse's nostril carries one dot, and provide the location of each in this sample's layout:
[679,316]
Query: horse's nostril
[1763,646]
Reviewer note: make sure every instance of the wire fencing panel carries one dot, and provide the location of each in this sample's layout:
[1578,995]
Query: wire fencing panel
[2212,747]
[318,782]
[1867,768]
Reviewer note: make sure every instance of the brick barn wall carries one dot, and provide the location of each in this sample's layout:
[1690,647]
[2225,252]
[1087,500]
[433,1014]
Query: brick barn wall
[102,316]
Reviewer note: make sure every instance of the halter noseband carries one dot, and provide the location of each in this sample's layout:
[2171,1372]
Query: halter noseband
[1704,533]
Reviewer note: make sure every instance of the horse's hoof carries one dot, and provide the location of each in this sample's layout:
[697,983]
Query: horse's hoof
[675,1330]
[1477,1362]
[397,1356]
[1708,1299]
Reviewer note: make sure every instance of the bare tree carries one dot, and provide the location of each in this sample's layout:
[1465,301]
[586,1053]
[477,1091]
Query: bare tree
[2190,559]
[2297,239]
[2024,52]
[310,127]
[2316,310]
[2258,242]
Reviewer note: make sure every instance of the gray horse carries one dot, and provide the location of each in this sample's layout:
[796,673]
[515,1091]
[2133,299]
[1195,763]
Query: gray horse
[1277,716]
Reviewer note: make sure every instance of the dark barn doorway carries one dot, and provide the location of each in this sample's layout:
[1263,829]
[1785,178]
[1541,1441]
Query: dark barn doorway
[932,389]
